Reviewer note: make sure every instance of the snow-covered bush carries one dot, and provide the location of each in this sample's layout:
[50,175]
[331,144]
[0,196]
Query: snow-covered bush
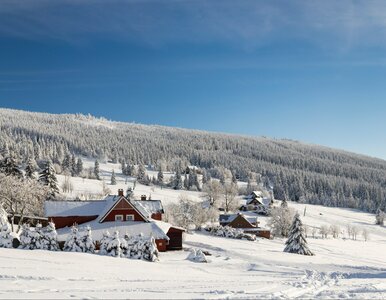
[136,247]
[49,238]
[74,241]
[5,230]
[80,241]
[115,245]
[140,247]
[31,237]
[104,243]
[5,236]
[233,233]
[296,242]
[196,255]
[380,217]
[87,242]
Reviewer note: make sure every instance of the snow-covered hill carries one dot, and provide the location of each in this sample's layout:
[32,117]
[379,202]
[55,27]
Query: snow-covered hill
[239,269]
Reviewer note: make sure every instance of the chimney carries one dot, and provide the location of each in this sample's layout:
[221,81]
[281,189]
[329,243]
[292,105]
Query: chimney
[143,197]
[120,192]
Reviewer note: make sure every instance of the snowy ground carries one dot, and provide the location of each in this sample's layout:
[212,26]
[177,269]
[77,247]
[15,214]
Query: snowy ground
[238,269]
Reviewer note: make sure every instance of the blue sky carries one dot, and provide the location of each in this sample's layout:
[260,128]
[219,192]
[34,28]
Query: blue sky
[307,70]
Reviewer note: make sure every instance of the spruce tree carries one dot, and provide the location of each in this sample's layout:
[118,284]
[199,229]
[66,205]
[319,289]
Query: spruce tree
[96,170]
[177,184]
[160,177]
[48,177]
[141,173]
[296,242]
[79,166]
[113,179]
[30,170]
[9,167]
[380,217]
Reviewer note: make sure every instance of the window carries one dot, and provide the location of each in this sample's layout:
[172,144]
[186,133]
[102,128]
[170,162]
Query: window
[129,217]
[119,218]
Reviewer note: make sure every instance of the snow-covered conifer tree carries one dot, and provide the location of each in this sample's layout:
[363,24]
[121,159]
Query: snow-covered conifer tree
[49,239]
[30,169]
[113,179]
[160,177]
[114,245]
[104,242]
[96,170]
[380,217]
[177,184]
[5,230]
[74,241]
[79,166]
[296,242]
[31,237]
[87,241]
[9,167]
[48,177]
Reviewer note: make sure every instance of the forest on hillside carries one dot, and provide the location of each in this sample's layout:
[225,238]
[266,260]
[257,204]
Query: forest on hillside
[296,171]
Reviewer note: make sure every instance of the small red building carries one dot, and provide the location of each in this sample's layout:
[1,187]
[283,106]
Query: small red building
[115,213]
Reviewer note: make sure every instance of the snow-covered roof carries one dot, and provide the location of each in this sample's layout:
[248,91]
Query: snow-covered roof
[231,218]
[149,206]
[73,208]
[156,229]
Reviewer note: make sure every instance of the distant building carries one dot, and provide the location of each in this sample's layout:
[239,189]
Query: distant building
[248,224]
[115,213]
[257,202]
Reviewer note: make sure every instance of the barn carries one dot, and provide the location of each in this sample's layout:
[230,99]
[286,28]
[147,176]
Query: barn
[115,213]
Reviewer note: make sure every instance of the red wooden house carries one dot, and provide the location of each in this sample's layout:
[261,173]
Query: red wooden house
[115,213]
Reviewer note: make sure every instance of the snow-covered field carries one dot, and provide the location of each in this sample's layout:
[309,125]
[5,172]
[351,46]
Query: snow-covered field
[237,269]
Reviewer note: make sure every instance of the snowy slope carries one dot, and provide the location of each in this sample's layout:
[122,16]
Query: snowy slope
[238,269]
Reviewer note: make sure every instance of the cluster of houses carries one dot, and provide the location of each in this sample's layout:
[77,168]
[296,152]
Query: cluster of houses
[133,217]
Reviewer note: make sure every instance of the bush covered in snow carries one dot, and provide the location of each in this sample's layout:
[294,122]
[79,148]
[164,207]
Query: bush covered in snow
[136,247]
[39,238]
[197,255]
[5,230]
[79,241]
[232,233]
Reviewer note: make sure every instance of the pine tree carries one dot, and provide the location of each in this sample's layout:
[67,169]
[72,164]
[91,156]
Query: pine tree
[96,170]
[177,184]
[104,242]
[160,177]
[73,166]
[5,230]
[296,242]
[380,217]
[49,238]
[9,167]
[79,166]
[66,164]
[141,173]
[205,178]
[30,170]
[87,241]
[113,179]
[234,178]
[48,177]
[284,204]
[74,241]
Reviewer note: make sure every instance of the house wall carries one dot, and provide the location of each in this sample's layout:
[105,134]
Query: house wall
[161,245]
[157,216]
[123,208]
[175,236]
[240,222]
[61,222]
